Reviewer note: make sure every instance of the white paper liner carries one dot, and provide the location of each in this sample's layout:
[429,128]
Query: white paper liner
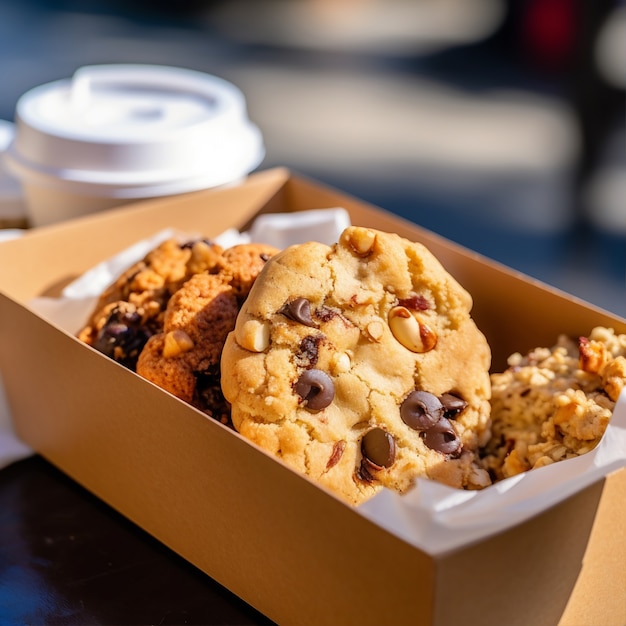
[433,517]
[439,519]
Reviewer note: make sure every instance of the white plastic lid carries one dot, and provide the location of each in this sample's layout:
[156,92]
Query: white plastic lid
[131,131]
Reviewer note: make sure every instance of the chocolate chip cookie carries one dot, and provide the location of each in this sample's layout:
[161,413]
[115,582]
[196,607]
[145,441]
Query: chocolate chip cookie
[184,356]
[555,403]
[360,366]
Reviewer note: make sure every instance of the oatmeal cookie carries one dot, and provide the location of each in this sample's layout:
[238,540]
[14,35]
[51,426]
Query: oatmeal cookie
[131,310]
[184,357]
[359,365]
[555,403]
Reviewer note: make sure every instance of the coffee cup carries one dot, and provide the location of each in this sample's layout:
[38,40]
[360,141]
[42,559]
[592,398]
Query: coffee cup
[113,134]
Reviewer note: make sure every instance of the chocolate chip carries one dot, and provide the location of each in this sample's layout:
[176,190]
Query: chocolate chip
[363,473]
[298,310]
[442,438]
[379,448]
[316,389]
[208,396]
[122,337]
[421,410]
[452,405]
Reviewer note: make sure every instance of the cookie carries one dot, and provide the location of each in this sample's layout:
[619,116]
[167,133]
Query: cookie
[554,403]
[131,310]
[184,357]
[360,366]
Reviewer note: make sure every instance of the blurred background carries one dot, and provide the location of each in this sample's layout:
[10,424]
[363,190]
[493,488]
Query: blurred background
[499,124]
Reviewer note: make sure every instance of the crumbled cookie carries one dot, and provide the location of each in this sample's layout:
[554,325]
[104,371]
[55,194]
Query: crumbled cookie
[184,357]
[131,309]
[554,403]
[359,365]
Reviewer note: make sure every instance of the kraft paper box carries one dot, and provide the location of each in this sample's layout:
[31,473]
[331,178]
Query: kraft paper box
[286,546]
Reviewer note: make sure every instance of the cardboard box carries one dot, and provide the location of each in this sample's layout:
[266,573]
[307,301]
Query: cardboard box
[286,546]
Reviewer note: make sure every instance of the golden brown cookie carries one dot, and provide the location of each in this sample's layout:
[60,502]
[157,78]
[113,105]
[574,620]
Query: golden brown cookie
[131,309]
[184,358]
[359,365]
[555,403]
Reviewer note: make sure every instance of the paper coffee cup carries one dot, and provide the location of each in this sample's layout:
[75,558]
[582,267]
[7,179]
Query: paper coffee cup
[112,134]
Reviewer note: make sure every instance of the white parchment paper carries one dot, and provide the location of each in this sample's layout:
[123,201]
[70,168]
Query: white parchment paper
[438,519]
[434,518]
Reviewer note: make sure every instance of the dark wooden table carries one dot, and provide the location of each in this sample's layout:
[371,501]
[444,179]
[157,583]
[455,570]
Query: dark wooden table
[68,558]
